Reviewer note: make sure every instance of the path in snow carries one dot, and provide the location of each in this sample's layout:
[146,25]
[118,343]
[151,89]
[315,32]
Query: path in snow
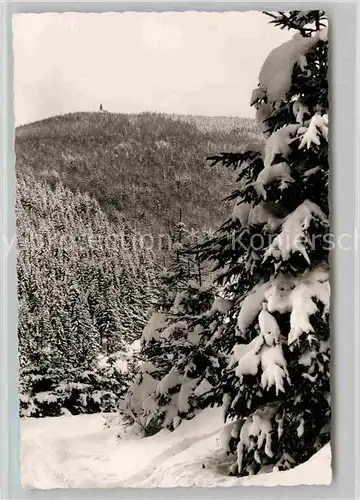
[79,452]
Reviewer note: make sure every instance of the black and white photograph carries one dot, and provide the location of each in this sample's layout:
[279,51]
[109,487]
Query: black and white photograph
[173,248]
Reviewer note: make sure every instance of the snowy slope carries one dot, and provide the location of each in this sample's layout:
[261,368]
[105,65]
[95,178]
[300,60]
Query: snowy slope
[79,452]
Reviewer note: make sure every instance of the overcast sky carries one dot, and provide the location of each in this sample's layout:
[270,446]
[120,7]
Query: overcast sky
[191,62]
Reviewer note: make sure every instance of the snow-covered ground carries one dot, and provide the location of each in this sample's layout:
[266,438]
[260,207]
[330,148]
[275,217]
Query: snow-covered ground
[80,452]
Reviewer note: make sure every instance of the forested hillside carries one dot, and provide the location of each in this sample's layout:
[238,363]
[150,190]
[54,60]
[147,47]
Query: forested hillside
[84,285]
[148,167]
[87,184]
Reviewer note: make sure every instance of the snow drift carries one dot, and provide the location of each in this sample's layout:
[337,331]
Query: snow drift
[81,452]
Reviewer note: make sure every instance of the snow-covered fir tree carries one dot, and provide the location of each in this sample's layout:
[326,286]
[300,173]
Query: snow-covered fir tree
[273,253]
[270,335]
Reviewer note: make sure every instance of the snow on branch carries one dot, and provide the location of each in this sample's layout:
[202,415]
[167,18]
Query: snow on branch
[310,135]
[303,305]
[171,379]
[154,326]
[241,212]
[299,110]
[261,214]
[248,358]
[274,369]
[279,143]
[294,235]
[276,73]
[301,297]
[259,426]
[279,171]
[251,306]
[264,351]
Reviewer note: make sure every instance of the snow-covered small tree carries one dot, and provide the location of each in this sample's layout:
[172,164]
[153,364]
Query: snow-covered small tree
[180,365]
[138,406]
[41,374]
[273,258]
[97,387]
